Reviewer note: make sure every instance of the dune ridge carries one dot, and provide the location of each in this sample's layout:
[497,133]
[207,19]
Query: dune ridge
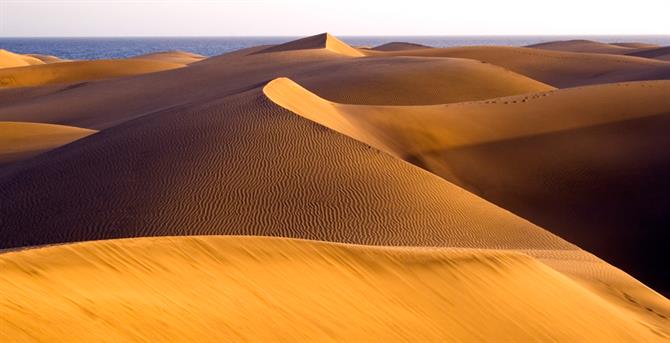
[512,134]
[321,41]
[9,59]
[281,289]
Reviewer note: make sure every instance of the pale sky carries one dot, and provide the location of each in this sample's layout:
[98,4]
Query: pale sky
[339,17]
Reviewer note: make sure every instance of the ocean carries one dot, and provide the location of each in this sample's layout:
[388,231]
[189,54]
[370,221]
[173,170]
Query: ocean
[100,48]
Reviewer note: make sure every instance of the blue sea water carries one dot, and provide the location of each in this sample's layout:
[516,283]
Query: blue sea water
[98,48]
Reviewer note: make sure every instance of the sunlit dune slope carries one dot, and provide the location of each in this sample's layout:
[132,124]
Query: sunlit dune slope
[557,68]
[597,152]
[581,45]
[47,58]
[79,71]
[180,57]
[415,81]
[263,289]
[9,59]
[322,41]
[23,140]
[636,45]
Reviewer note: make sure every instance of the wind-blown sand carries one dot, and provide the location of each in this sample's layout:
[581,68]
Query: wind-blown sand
[262,289]
[230,146]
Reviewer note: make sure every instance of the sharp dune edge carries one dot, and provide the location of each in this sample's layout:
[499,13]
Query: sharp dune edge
[9,59]
[453,142]
[238,154]
[263,289]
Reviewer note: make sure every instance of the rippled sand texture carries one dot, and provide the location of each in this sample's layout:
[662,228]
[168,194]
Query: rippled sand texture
[446,194]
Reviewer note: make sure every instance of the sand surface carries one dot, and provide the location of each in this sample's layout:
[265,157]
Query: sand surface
[19,141]
[78,71]
[261,289]
[313,139]
[556,68]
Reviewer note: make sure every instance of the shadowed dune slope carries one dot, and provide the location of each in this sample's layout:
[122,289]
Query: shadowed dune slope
[322,41]
[636,45]
[9,59]
[395,46]
[598,153]
[78,71]
[23,140]
[581,45]
[557,68]
[180,57]
[269,289]
[662,53]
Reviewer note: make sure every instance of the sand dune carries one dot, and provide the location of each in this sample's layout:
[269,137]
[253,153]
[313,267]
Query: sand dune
[48,58]
[262,289]
[581,45]
[662,53]
[218,149]
[599,149]
[306,181]
[23,140]
[180,57]
[322,41]
[395,46]
[9,59]
[78,71]
[415,81]
[636,45]
[556,68]
[382,80]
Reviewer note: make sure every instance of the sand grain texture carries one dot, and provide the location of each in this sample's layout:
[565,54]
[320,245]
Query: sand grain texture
[262,289]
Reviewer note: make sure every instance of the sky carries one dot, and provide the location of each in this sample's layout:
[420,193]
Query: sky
[21,18]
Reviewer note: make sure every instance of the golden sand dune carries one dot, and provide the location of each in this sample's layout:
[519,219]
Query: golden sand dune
[305,181]
[387,80]
[262,289]
[581,45]
[557,68]
[215,149]
[9,59]
[395,46]
[180,57]
[415,81]
[23,140]
[47,58]
[79,71]
[323,41]
[594,149]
